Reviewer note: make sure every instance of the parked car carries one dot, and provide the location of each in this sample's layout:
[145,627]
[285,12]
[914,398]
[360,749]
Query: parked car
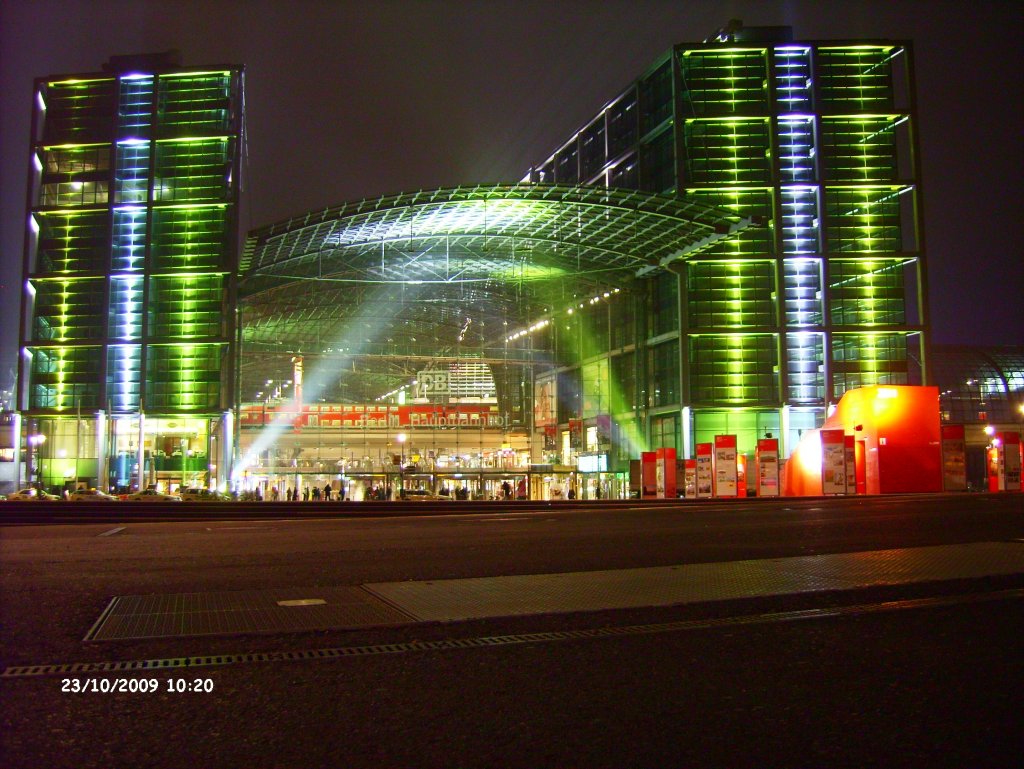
[202,495]
[151,495]
[420,495]
[32,495]
[91,495]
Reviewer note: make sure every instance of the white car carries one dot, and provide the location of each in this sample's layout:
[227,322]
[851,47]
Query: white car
[31,495]
[150,495]
[202,495]
[91,495]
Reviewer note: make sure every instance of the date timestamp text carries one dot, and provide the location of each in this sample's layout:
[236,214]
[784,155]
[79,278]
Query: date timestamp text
[136,685]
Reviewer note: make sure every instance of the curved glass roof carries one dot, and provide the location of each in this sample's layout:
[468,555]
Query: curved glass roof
[606,229]
[979,384]
[390,283]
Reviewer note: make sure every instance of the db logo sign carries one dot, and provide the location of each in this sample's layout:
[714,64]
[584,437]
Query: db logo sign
[433,382]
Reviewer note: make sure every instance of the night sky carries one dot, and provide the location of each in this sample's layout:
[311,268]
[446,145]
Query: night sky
[349,100]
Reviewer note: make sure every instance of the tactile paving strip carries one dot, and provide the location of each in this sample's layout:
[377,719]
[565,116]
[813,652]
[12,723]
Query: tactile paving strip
[463,599]
[251,611]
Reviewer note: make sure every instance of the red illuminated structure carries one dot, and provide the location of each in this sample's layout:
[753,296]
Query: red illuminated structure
[1004,462]
[897,442]
[666,472]
[649,474]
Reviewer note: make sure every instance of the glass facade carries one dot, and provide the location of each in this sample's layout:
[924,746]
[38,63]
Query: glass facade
[130,257]
[980,385]
[814,142]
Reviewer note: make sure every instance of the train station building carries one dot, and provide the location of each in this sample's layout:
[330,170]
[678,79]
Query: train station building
[731,243]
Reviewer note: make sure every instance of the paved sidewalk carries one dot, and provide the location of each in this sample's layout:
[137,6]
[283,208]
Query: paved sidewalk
[463,599]
[297,609]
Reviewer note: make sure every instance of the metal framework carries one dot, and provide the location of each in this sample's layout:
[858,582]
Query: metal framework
[444,273]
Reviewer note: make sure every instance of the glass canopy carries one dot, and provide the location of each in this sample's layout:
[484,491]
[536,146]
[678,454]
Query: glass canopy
[379,288]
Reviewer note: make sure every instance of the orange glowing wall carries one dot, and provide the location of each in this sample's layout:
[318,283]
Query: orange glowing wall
[902,444]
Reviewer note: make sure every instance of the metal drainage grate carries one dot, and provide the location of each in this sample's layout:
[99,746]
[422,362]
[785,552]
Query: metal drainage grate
[177,663]
[243,611]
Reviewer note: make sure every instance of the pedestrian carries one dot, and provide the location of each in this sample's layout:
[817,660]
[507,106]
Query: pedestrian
[274,494]
[327,492]
[572,493]
[305,494]
[315,493]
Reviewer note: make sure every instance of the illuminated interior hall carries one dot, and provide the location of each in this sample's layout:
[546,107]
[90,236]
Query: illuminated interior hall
[399,342]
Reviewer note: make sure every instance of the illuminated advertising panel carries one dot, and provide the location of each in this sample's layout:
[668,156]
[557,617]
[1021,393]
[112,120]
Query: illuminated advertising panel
[850,457]
[726,473]
[833,462]
[704,470]
[767,461]
[649,474]
[954,458]
[666,458]
[1009,461]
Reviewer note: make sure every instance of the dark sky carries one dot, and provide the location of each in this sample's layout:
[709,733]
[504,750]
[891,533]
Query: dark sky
[348,100]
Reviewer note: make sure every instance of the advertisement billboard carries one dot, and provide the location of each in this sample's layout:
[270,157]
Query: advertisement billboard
[1008,464]
[666,458]
[704,470]
[766,459]
[689,478]
[850,456]
[725,466]
[649,474]
[954,458]
[833,462]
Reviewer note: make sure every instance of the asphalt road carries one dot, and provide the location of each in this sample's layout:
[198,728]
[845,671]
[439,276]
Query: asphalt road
[909,686]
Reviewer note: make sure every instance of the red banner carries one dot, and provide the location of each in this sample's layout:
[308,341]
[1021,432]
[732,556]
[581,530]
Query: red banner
[380,417]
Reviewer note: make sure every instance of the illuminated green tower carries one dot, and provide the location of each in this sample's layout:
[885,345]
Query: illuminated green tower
[127,328]
[815,141]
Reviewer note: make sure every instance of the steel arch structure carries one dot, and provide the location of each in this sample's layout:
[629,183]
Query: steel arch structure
[376,287]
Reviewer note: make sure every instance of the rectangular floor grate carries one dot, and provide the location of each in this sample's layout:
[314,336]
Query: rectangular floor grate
[249,611]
